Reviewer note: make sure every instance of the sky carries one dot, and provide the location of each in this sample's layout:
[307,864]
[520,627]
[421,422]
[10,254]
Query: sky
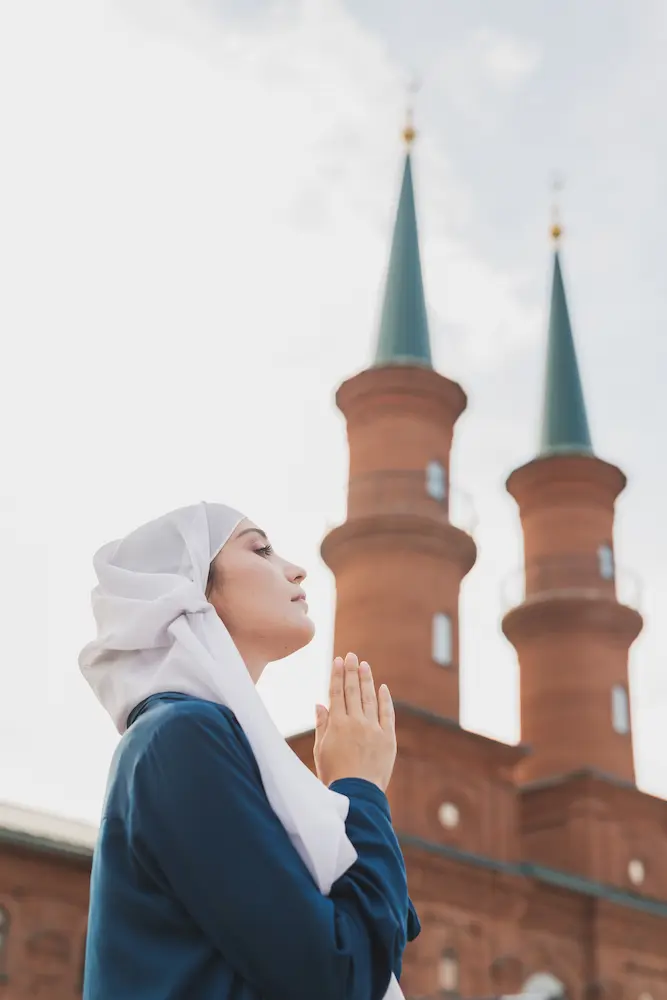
[196,202]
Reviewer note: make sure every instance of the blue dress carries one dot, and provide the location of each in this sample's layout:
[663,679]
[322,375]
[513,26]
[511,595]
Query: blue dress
[197,893]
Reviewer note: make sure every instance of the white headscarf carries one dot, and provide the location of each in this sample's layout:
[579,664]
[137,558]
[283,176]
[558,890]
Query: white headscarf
[157,632]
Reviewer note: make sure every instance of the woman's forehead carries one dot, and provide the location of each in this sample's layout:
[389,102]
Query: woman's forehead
[246,527]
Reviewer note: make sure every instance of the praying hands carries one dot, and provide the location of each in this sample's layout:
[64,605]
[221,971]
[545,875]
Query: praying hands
[355,737]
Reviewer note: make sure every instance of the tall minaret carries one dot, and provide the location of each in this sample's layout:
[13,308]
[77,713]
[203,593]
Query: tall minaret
[397,559]
[571,633]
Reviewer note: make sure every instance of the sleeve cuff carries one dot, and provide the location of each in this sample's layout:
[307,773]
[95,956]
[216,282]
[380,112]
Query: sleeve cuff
[360,788]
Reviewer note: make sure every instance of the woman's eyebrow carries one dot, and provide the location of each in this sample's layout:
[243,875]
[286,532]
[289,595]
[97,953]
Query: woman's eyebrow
[258,531]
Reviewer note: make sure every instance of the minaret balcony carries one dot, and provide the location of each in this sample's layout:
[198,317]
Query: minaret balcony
[399,504]
[570,576]
[410,492]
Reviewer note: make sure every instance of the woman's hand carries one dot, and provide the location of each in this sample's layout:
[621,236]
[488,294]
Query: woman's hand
[356,737]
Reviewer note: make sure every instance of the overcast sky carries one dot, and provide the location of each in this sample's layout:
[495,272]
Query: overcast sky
[196,200]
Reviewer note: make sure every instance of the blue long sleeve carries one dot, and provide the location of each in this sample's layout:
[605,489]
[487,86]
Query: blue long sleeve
[369,828]
[201,828]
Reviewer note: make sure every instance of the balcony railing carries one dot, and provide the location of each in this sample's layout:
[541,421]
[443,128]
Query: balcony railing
[568,574]
[407,492]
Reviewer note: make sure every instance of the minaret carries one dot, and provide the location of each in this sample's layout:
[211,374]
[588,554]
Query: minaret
[397,559]
[571,633]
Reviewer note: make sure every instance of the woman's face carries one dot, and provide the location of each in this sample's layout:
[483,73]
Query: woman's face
[258,596]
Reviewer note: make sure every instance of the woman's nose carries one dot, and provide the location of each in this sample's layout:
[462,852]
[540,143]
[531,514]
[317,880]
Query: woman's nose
[297,574]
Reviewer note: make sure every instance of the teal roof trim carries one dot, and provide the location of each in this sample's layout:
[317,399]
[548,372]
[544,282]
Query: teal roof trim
[565,428]
[404,336]
[551,876]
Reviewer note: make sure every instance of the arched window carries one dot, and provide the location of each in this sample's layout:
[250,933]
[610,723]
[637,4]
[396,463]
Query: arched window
[449,973]
[436,481]
[606,562]
[4,941]
[620,710]
[442,639]
[543,986]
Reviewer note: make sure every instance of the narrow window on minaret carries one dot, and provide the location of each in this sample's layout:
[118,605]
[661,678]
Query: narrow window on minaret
[606,562]
[442,639]
[448,973]
[543,986]
[620,709]
[436,481]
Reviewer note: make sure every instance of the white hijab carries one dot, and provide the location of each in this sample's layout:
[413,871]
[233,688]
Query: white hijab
[157,632]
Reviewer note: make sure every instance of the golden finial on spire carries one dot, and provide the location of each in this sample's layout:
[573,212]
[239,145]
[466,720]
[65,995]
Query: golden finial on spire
[556,228]
[409,132]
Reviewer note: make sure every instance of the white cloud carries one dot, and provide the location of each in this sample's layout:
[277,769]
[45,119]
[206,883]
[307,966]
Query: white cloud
[479,72]
[508,61]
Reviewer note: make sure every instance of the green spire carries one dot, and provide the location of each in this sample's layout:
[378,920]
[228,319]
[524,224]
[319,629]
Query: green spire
[564,421]
[403,337]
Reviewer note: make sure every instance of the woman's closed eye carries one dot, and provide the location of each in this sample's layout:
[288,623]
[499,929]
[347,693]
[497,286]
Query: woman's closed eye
[265,550]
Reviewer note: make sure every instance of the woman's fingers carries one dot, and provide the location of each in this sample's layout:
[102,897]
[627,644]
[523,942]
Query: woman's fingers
[369,700]
[352,689]
[337,688]
[385,709]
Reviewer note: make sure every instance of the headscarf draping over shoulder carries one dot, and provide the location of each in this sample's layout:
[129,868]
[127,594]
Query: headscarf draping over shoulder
[157,632]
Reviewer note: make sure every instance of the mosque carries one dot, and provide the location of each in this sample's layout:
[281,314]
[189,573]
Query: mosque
[538,869]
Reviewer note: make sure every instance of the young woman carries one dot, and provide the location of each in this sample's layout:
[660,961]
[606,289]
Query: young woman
[224,869]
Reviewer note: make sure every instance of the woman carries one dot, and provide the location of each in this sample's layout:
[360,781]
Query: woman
[224,869]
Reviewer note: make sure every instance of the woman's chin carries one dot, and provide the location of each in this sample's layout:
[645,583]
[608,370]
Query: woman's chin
[305,633]
[296,638]
[310,631]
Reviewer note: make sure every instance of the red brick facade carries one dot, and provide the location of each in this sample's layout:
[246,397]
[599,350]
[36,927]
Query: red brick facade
[43,912]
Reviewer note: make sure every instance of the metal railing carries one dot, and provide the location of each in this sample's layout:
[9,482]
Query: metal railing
[567,574]
[406,492]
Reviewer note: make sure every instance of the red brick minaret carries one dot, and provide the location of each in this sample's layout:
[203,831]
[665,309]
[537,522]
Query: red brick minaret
[571,633]
[397,559]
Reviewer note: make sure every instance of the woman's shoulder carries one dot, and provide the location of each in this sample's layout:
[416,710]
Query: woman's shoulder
[162,708]
[182,725]
[177,741]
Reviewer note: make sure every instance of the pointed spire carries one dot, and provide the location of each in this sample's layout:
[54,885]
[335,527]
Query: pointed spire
[564,420]
[403,337]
